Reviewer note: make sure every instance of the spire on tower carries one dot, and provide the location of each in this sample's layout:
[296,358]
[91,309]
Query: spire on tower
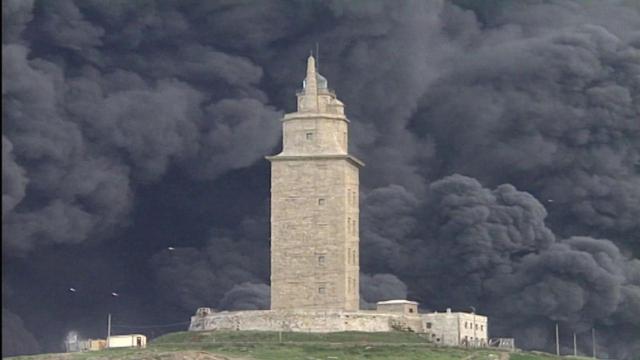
[311,81]
[311,67]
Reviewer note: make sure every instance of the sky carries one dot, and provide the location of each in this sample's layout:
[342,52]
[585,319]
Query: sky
[502,143]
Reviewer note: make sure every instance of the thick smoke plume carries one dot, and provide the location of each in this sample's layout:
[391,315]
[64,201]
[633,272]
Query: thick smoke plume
[132,127]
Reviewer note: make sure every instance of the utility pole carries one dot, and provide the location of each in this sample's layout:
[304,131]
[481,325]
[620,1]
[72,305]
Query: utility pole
[593,341]
[108,330]
[557,341]
[575,345]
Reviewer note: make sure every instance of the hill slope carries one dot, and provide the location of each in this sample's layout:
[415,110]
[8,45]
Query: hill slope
[245,345]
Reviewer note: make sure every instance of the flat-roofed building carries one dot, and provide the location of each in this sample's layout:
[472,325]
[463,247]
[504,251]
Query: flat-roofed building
[129,340]
[397,306]
[456,328]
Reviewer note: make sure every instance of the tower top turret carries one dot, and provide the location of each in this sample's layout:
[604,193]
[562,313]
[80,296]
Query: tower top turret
[315,95]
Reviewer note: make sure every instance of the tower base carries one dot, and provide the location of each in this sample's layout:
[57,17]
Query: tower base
[305,321]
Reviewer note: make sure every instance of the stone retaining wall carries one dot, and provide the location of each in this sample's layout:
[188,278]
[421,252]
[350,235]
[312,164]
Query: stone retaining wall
[303,321]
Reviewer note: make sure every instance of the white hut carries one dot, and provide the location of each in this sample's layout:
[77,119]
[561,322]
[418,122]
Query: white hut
[130,340]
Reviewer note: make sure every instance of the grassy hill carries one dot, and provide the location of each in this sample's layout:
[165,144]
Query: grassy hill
[254,345]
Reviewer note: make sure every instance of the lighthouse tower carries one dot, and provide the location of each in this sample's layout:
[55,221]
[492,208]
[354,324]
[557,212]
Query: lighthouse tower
[314,206]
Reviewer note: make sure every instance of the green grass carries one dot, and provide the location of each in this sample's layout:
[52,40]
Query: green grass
[275,337]
[262,345]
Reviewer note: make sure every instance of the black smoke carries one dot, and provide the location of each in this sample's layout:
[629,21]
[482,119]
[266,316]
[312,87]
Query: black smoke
[133,137]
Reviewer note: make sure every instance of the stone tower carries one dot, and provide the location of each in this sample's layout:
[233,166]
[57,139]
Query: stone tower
[314,206]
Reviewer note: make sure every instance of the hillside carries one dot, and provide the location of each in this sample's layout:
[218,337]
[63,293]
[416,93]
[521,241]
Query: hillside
[246,345]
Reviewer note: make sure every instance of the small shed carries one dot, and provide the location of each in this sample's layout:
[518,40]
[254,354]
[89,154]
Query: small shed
[97,344]
[405,307]
[130,340]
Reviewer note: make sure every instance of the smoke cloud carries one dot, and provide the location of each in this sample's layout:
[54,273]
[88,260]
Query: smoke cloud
[21,341]
[129,127]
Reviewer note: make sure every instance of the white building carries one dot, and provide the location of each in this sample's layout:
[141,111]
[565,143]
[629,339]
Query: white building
[398,306]
[130,340]
[456,328]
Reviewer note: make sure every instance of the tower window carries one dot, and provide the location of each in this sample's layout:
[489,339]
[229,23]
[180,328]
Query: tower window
[309,136]
[321,290]
[321,201]
[321,259]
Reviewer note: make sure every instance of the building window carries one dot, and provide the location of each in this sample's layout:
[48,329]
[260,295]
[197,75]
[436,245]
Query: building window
[309,136]
[321,290]
[429,326]
[465,325]
[481,327]
[410,310]
[321,259]
[321,201]
[353,257]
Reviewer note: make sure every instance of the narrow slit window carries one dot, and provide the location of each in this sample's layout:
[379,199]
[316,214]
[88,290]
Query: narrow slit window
[309,136]
[321,259]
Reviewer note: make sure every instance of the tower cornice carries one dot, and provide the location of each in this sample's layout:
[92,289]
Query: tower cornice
[350,158]
[314,115]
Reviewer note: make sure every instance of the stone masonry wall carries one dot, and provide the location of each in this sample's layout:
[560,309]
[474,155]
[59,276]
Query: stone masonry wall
[314,236]
[301,321]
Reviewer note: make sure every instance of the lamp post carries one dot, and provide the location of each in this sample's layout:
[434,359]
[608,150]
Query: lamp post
[557,341]
[593,341]
[108,330]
